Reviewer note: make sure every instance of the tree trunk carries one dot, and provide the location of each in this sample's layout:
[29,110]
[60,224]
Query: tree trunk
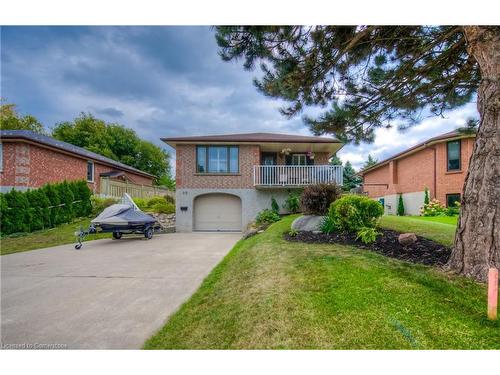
[477,240]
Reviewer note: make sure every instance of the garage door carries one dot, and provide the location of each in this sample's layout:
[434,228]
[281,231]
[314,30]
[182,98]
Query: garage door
[217,212]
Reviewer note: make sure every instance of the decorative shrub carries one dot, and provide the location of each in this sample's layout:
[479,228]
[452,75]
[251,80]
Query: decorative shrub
[162,208]
[267,216]
[433,208]
[453,210]
[292,202]
[158,204]
[328,225]
[351,213]
[367,235]
[401,206]
[426,196]
[316,199]
[275,206]
[45,207]
[169,199]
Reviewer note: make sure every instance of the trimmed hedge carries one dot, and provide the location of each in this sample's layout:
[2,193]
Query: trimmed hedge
[45,207]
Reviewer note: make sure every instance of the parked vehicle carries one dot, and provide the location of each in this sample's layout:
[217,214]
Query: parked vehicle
[121,218]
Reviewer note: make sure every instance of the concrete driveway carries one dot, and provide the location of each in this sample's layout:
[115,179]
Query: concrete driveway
[112,294]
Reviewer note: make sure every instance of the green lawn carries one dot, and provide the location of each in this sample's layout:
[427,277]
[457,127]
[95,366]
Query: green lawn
[268,293]
[452,220]
[430,227]
[60,235]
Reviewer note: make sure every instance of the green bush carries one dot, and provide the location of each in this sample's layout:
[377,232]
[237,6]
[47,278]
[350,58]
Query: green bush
[267,216]
[16,215]
[67,198]
[316,199]
[45,207]
[401,206]
[292,202]
[426,196]
[433,208]
[453,210]
[275,206]
[328,225]
[162,205]
[162,208]
[169,199]
[40,212]
[353,212]
[367,235]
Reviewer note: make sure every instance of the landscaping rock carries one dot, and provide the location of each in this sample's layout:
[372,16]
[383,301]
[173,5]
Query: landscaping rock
[250,232]
[407,239]
[308,223]
[166,221]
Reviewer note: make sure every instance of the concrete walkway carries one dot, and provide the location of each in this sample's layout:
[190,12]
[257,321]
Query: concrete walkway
[112,294]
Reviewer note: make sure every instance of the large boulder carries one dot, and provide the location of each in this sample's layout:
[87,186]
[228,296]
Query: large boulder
[407,239]
[308,223]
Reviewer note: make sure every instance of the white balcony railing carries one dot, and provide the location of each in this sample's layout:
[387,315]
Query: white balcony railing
[296,175]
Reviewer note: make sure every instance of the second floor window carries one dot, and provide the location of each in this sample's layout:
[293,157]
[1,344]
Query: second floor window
[453,155]
[217,159]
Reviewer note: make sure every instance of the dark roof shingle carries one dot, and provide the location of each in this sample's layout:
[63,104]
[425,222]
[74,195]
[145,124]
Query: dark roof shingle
[252,137]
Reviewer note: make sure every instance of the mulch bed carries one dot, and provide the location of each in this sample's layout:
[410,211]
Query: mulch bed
[423,251]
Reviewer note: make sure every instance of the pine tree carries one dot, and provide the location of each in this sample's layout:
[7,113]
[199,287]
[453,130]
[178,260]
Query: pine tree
[401,206]
[335,160]
[371,76]
[370,162]
[351,179]
[426,196]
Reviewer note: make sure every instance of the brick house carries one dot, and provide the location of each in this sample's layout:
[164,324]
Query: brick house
[223,181]
[440,164]
[31,160]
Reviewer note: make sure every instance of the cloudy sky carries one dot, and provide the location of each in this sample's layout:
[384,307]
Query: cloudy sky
[160,81]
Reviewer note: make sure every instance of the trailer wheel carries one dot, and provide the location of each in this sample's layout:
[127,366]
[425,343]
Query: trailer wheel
[117,235]
[148,233]
[78,246]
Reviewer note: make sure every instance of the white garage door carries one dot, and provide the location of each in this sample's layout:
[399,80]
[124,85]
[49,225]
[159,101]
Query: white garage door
[217,212]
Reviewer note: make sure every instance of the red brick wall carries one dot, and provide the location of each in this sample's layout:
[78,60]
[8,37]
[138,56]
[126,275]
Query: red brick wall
[28,165]
[187,178]
[416,171]
[377,176]
[452,182]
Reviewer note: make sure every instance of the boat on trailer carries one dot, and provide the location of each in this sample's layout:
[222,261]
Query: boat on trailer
[121,218]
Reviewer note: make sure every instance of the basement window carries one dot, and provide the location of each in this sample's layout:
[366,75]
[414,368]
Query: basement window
[451,200]
[90,171]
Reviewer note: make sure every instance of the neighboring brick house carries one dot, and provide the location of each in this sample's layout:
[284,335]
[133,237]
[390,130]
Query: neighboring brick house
[31,160]
[439,164]
[223,181]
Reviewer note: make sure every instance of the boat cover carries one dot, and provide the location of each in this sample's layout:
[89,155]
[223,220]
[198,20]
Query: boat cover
[123,213]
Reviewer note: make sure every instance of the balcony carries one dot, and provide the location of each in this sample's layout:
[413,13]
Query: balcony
[275,176]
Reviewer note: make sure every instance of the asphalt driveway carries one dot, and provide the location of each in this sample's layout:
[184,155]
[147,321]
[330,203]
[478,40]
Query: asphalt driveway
[112,294]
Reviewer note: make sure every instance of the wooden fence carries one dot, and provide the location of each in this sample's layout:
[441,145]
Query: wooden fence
[116,189]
